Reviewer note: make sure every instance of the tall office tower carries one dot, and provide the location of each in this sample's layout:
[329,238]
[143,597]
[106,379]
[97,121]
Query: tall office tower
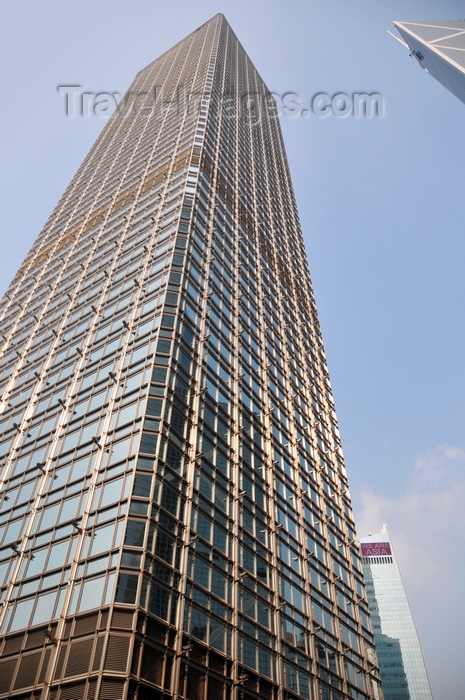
[401,664]
[176,519]
[439,47]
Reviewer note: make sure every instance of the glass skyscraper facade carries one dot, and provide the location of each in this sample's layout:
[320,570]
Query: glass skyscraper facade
[439,47]
[176,519]
[401,664]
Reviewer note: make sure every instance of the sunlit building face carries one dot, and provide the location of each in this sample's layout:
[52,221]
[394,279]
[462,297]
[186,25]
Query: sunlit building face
[176,520]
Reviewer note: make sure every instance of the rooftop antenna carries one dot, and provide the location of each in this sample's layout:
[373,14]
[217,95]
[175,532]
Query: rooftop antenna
[399,40]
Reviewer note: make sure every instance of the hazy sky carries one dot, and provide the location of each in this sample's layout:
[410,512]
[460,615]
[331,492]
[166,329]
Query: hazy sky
[381,202]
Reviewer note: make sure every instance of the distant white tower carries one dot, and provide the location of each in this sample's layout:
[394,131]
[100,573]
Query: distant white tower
[401,663]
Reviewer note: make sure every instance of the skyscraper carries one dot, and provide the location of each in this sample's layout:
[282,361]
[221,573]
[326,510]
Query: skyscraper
[439,48]
[176,520]
[401,664]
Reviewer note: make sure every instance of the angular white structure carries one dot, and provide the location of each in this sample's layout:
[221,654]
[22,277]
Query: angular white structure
[439,47]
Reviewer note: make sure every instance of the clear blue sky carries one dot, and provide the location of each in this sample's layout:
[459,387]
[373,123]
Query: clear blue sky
[381,203]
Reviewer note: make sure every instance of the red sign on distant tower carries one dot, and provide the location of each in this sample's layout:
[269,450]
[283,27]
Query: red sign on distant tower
[376,549]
